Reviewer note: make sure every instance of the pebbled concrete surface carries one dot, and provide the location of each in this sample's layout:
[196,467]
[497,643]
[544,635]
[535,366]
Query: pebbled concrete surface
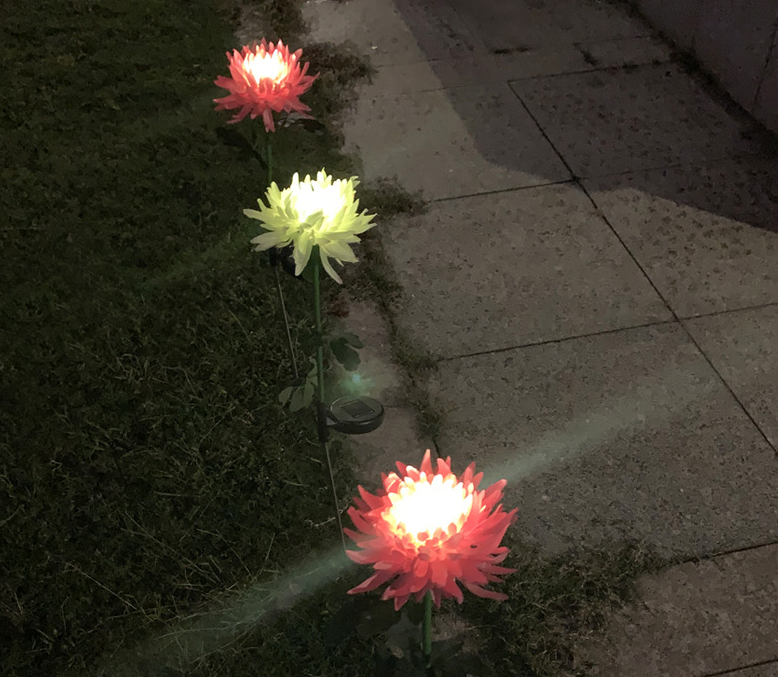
[498,271]
[732,40]
[742,347]
[626,52]
[586,186]
[731,602]
[767,96]
[391,33]
[473,70]
[625,435]
[614,121]
[478,139]
[707,237]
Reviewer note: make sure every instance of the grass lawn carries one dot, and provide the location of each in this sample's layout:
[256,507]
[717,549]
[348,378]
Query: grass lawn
[148,475]
[145,465]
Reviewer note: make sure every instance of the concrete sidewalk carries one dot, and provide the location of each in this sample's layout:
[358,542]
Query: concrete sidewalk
[598,277]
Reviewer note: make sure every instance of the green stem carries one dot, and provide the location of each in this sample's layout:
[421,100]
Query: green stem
[427,646]
[269,162]
[319,332]
[321,411]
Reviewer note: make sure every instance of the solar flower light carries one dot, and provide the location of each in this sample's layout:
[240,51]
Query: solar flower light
[265,79]
[428,531]
[320,220]
[318,217]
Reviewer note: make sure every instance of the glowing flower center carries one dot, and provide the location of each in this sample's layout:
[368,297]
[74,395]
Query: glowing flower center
[270,66]
[423,507]
[310,199]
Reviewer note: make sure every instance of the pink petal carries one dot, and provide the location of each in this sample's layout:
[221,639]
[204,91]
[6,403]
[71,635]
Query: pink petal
[478,591]
[426,463]
[370,584]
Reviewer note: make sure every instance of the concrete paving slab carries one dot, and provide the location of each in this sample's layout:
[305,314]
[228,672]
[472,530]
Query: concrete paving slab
[625,435]
[453,142]
[391,31]
[616,121]
[498,271]
[583,20]
[377,375]
[769,669]
[626,52]
[677,20]
[466,72]
[509,26]
[706,235]
[696,619]
[743,347]
[766,108]
[397,439]
[547,61]
[733,40]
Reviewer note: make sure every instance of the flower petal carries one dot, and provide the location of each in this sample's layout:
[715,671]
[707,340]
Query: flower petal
[325,262]
[426,547]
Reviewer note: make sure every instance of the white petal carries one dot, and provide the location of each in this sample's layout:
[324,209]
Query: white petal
[302,252]
[330,270]
[340,251]
[268,240]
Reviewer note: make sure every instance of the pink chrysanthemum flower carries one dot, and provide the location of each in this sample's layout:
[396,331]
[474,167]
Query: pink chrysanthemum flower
[264,79]
[428,530]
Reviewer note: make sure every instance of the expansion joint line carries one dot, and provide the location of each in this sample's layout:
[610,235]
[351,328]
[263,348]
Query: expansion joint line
[770,49]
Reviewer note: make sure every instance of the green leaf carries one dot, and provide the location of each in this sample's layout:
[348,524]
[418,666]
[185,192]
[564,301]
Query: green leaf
[353,340]
[344,353]
[402,636]
[298,399]
[351,360]
[337,344]
[285,394]
[447,647]
[308,391]
[312,371]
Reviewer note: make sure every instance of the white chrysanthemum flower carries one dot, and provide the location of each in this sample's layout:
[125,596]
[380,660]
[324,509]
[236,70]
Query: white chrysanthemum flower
[319,212]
